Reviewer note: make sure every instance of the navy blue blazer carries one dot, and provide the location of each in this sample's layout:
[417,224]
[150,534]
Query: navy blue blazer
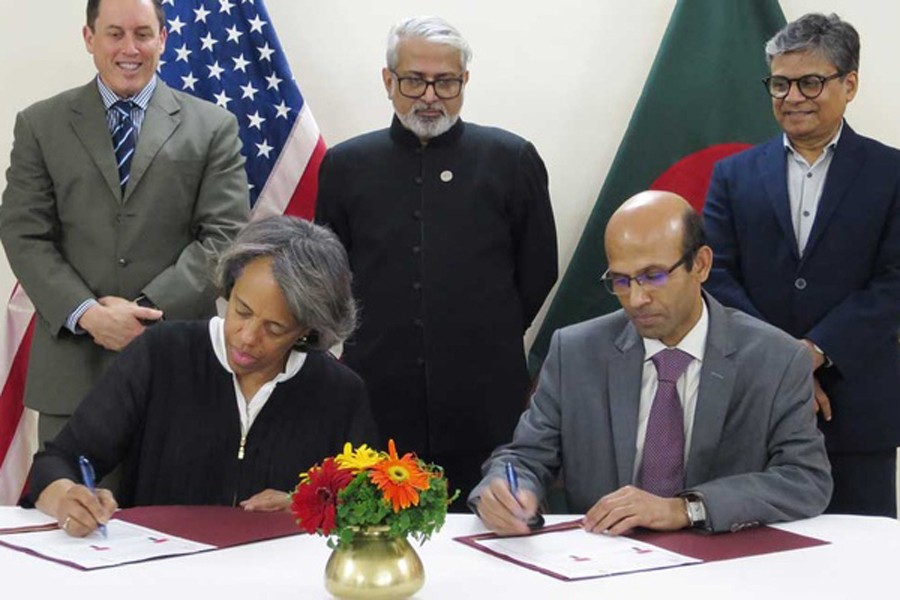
[843,293]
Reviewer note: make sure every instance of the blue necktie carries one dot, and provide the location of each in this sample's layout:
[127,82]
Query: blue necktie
[123,140]
[662,468]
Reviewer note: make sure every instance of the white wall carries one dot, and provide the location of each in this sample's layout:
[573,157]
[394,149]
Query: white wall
[563,73]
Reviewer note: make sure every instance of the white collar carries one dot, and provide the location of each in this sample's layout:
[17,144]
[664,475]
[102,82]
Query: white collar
[295,360]
[694,342]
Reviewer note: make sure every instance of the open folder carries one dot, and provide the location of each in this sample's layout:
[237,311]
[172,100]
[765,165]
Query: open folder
[567,552]
[151,532]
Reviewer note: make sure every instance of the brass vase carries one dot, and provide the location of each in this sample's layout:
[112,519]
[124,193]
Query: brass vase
[373,565]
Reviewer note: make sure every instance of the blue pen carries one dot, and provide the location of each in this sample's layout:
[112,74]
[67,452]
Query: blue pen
[87,475]
[535,522]
[512,479]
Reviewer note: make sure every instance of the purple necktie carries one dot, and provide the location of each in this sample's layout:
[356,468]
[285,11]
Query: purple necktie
[662,468]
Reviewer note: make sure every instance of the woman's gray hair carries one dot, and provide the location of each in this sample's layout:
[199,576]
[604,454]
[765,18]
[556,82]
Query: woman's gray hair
[311,268]
[833,38]
[432,29]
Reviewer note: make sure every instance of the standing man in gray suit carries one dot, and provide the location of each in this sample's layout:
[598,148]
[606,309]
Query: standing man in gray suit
[120,194]
[673,412]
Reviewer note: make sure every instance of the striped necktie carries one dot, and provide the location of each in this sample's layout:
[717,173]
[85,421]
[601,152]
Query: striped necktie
[123,139]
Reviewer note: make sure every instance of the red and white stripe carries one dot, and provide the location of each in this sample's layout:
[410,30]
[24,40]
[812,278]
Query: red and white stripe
[292,185]
[18,425]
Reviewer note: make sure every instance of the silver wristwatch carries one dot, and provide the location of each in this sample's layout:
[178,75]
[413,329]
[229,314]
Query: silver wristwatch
[696,511]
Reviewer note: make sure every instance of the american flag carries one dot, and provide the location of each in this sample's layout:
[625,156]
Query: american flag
[224,51]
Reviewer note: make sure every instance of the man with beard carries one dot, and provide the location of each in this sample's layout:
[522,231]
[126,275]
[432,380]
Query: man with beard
[452,243]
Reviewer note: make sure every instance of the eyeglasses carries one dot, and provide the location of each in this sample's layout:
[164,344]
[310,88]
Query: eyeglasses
[445,88]
[810,86]
[620,285]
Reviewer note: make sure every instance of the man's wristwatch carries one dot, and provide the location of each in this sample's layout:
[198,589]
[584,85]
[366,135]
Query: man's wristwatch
[146,302]
[696,511]
[827,361]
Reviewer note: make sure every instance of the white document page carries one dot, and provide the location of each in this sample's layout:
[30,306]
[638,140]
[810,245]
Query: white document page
[125,543]
[577,554]
[17,518]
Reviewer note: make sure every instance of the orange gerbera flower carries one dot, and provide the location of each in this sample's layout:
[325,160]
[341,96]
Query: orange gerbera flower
[399,479]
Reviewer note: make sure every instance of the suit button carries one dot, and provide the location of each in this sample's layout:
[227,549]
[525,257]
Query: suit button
[123,262]
[416,249]
[800,283]
[416,286]
[420,361]
[417,322]
[417,214]
[418,180]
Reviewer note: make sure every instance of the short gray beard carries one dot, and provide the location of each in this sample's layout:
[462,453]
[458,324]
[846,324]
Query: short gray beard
[426,129]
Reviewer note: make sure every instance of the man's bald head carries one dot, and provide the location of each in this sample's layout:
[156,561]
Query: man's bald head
[653,213]
[658,258]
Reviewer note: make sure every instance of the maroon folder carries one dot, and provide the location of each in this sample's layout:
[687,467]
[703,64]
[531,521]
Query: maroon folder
[725,546]
[705,547]
[219,526]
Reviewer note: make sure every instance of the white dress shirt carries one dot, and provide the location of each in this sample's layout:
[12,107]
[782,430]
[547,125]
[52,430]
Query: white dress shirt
[805,185]
[694,343]
[249,410]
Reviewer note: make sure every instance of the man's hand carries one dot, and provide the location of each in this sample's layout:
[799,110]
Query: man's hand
[822,402]
[268,500]
[77,510]
[630,507]
[114,322]
[817,357]
[504,513]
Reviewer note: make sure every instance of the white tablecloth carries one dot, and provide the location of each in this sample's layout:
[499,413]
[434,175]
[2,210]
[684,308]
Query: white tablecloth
[863,561]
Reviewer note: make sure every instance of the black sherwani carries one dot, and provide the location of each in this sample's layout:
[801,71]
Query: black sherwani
[453,250]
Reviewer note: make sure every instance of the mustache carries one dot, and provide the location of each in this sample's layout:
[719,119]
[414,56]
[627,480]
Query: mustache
[420,105]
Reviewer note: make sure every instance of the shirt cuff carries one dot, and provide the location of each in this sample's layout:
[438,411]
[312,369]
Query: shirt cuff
[72,321]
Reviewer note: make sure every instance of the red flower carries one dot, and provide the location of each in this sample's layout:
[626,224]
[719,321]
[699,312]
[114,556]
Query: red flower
[315,500]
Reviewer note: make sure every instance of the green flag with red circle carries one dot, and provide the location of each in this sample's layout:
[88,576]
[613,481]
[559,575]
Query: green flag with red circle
[703,100]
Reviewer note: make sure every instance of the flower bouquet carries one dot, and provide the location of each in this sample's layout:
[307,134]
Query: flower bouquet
[363,488]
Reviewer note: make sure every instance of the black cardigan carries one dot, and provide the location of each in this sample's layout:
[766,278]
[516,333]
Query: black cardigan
[166,409]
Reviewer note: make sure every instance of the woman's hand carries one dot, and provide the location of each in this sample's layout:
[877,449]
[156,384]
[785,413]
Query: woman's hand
[267,501]
[77,510]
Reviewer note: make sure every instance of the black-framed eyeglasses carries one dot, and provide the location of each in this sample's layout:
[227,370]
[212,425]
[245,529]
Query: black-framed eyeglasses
[445,88]
[620,285]
[810,86]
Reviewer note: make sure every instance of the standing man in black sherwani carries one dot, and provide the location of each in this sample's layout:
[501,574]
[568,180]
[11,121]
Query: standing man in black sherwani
[452,243]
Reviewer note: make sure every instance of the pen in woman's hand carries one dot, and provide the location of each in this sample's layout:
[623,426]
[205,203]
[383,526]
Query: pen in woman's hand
[87,475]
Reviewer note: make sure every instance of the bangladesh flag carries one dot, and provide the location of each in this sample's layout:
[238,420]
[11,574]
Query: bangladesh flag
[702,101]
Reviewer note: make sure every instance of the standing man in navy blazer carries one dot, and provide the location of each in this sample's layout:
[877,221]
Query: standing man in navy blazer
[104,248]
[806,234]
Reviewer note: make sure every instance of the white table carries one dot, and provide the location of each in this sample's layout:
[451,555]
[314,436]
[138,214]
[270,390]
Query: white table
[863,561]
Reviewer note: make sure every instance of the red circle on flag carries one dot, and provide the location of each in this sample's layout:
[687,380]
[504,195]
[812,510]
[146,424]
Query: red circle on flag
[689,177]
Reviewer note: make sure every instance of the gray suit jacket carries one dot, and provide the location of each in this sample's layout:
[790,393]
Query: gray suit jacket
[756,455]
[70,233]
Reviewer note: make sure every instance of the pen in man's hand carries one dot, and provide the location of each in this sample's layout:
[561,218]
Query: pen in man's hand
[87,475]
[535,522]
[512,480]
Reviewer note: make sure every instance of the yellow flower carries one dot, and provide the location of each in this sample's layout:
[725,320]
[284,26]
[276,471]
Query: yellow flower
[357,460]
